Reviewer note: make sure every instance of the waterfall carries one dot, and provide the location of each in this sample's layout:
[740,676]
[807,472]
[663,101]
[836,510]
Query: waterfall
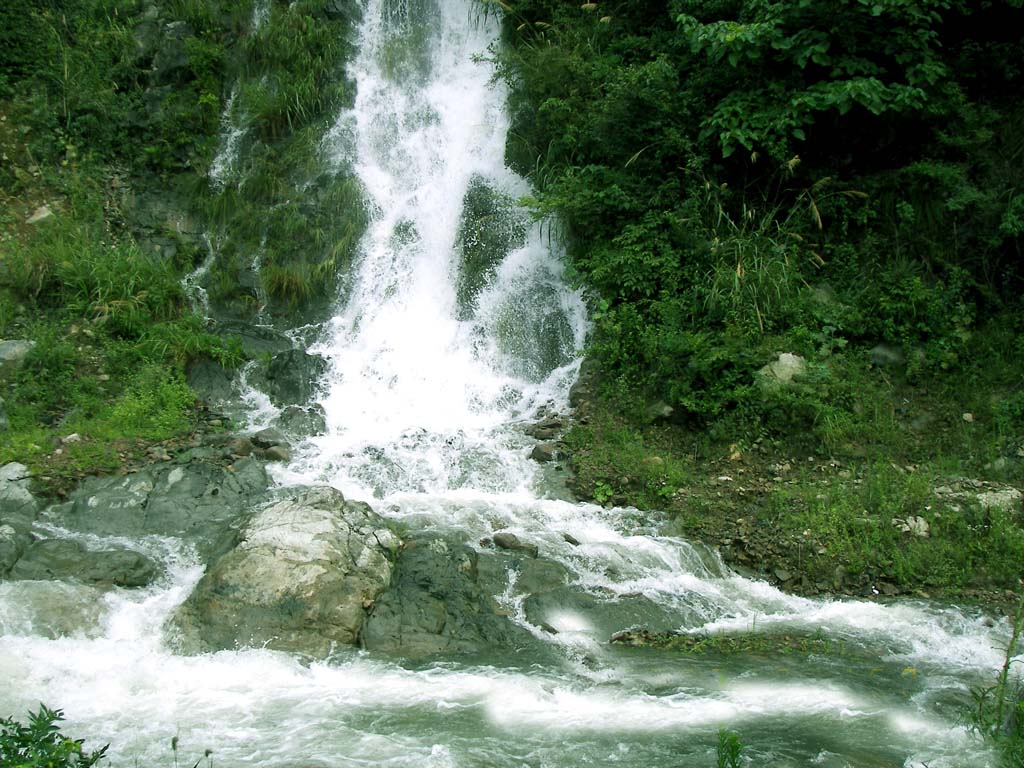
[458,327]
[459,322]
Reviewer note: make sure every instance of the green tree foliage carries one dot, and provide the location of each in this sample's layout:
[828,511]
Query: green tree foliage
[736,169]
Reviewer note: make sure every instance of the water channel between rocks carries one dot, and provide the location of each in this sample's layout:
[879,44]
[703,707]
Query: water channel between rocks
[450,340]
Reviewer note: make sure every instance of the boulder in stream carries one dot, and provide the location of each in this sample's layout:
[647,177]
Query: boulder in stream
[68,560]
[18,510]
[442,601]
[301,579]
[201,502]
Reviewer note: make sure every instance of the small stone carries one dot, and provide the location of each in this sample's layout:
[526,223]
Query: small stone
[12,354]
[269,437]
[783,575]
[783,370]
[278,453]
[41,213]
[544,452]
[71,439]
[570,539]
[511,542]
[241,446]
[915,525]
[547,429]
[968,417]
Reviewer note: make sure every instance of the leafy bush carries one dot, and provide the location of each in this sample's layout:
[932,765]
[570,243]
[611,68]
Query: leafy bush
[155,405]
[717,164]
[40,744]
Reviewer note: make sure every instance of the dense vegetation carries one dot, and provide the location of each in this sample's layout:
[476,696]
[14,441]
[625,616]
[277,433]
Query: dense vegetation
[88,105]
[743,177]
[839,180]
[110,126]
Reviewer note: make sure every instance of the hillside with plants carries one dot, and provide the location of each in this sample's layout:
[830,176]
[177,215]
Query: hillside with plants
[785,491]
[837,181]
[116,185]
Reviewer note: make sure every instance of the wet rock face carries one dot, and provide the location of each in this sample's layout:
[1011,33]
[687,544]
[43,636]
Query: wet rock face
[301,578]
[442,599]
[70,560]
[18,510]
[290,377]
[201,502]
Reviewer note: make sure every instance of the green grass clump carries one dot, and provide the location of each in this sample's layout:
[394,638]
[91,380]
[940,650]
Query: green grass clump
[612,458]
[870,528]
[280,201]
[998,711]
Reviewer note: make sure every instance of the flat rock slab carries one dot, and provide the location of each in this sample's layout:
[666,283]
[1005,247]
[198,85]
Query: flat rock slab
[204,503]
[67,560]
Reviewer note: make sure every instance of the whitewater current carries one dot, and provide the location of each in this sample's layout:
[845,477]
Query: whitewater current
[432,378]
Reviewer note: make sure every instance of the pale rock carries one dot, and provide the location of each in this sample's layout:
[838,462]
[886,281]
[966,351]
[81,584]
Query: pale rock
[41,213]
[12,354]
[783,370]
[1005,499]
[298,580]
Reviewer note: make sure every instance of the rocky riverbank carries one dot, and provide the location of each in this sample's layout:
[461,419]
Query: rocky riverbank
[870,523]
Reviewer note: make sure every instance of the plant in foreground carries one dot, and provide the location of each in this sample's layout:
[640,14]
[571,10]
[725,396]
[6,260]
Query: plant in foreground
[998,712]
[40,744]
[729,749]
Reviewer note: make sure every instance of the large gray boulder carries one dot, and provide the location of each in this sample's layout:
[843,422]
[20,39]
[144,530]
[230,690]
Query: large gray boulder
[202,502]
[301,579]
[68,560]
[442,599]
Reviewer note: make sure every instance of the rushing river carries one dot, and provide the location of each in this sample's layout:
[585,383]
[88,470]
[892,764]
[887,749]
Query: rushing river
[432,378]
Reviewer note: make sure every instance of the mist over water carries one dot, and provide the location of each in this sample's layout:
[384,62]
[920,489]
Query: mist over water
[456,329]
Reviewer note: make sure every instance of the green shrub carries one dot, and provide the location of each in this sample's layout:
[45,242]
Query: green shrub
[40,744]
[715,161]
[155,405]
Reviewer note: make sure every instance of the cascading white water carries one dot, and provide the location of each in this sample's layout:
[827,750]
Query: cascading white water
[419,399]
[425,400]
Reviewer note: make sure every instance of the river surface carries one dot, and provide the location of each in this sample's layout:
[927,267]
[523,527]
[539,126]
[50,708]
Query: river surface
[432,379]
